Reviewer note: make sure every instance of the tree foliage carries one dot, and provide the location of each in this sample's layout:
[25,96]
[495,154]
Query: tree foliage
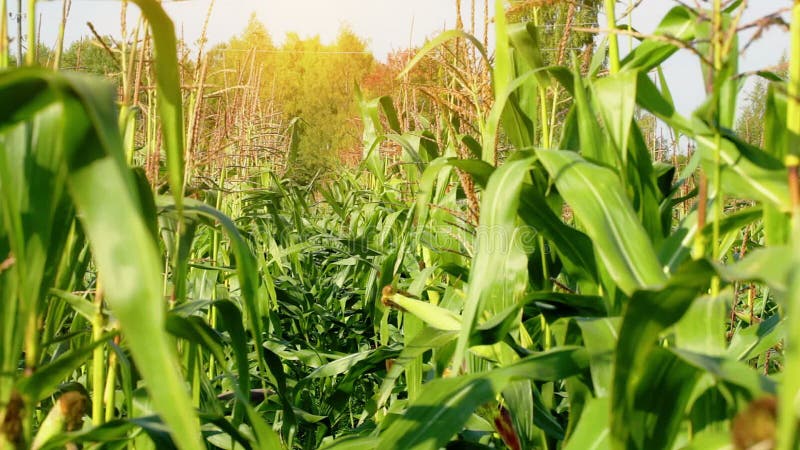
[303,78]
[88,55]
[750,123]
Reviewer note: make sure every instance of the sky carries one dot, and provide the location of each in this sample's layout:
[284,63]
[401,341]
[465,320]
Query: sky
[386,25]
[682,70]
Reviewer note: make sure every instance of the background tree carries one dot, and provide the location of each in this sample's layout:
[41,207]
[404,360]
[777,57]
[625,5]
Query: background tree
[750,120]
[750,123]
[44,55]
[253,45]
[302,78]
[88,55]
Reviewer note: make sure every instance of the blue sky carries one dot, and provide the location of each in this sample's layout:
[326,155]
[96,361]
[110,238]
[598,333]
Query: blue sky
[386,24]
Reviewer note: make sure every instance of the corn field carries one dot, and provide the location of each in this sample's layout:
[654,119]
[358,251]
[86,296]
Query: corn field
[517,264]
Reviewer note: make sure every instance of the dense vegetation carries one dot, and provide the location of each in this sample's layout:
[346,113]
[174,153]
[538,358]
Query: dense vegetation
[514,261]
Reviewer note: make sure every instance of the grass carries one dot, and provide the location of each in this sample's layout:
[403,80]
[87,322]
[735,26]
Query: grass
[489,285]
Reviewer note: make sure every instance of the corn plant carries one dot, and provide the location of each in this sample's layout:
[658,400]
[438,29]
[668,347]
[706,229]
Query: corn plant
[615,301]
[63,162]
[530,280]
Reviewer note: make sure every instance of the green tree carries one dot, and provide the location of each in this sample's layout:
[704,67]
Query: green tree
[254,41]
[44,56]
[88,55]
[750,123]
[302,78]
[316,82]
[750,120]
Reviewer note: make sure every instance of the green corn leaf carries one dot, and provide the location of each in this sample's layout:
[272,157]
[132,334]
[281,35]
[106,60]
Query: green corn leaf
[746,171]
[352,443]
[129,265]
[411,145]
[391,113]
[436,174]
[615,99]
[650,191]
[745,174]
[660,104]
[789,390]
[756,339]
[648,314]
[47,378]
[592,432]
[32,185]
[702,328]
[246,265]
[122,245]
[478,169]
[170,102]
[149,211]
[769,265]
[436,42]
[81,305]
[526,414]
[506,110]
[679,23]
[499,276]
[676,248]
[600,337]
[555,305]
[710,439]
[497,327]
[600,204]
[194,329]
[346,363]
[599,58]
[775,121]
[427,339]
[230,319]
[524,38]
[776,223]
[574,247]
[116,430]
[372,135]
[731,371]
[656,420]
[445,405]
[592,143]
